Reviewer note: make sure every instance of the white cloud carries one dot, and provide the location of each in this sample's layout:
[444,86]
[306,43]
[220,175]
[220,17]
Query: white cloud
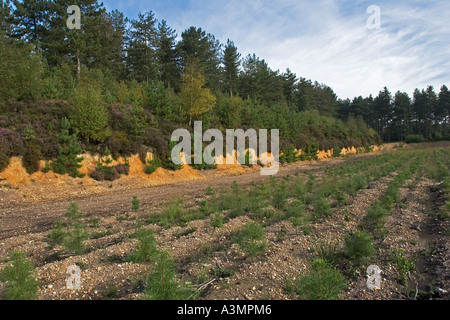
[328,41]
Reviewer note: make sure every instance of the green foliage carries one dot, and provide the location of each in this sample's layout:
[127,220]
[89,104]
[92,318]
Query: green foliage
[70,236]
[56,236]
[404,266]
[327,250]
[288,155]
[310,151]
[104,170]
[32,154]
[135,204]
[136,120]
[173,214]
[68,160]
[89,115]
[21,71]
[20,283]
[31,159]
[196,99]
[74,212]
[216,221]
[337,152]
[167,162]
[323,282]
[377,216]
[75,237]
[280,196]
[146,249]
[163,283]
[414,138]
[104,173]
[203,165]
[152,165]
[359,246]
[209,191]
[234,200]
[251,239]
[322,209]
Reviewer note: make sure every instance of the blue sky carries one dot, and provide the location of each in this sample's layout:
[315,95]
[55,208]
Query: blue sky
[323,40]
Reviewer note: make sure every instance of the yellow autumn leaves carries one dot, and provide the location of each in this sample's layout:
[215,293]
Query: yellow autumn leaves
[196,99]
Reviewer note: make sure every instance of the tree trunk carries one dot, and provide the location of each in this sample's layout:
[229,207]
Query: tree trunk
[78,65]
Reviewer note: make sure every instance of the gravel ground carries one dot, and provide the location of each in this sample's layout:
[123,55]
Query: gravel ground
[25,224]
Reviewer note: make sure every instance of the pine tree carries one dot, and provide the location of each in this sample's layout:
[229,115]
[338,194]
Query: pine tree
[196,46]
[443,110]
[6,18]
[78,46]
[383,109]
[167,56]
[31,21]
[289,83]
[402,116]
[90,116]
[135,204]
[110,55]
[232,63]
[68,160]
[141,56]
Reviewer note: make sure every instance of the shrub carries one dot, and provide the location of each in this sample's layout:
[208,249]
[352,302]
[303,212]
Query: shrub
[404,266]
[4,160]
[19,278]
[104,173]
[288,155]
[75,237]
[216,221]
[327,249]
[337,152]
[69,149]
[31,158]
[163,283]
[311,151]
[146,250]
[295,209]
[167,162]
[377,216]
[251,239]
[11,142]
[233,200]
[71,236]
[204,165]
[280,196]
[89,116]
[322,209]
[74,212]
[152,165]
[414,138]
[209,191]
[104,170]
[135,204]
[56,236]
[119,143]
[323,282]
[122,169]
[174,213]
[359,246]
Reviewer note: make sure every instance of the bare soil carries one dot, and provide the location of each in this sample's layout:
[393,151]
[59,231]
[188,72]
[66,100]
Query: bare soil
[26,221]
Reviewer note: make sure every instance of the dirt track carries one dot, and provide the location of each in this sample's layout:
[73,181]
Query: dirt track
[21,217]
